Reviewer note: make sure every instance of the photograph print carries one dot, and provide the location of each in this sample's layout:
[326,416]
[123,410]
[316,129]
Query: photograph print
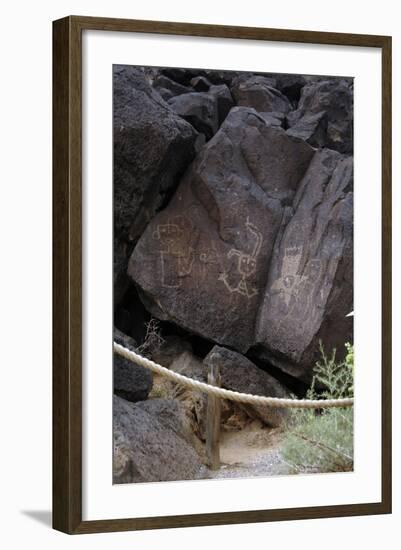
[233,268]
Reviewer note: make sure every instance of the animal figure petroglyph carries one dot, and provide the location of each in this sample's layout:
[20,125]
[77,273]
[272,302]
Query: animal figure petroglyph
[246,265]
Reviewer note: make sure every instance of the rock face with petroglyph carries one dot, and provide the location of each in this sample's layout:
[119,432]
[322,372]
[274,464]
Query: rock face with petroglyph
[203,261]
[310,285]
[152,148]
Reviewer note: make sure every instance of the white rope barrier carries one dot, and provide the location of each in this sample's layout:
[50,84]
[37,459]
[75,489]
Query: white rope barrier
[229,394]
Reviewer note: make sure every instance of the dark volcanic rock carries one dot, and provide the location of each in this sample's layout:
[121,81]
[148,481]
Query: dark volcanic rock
[165,93]
[335,98]
[290,85]
[152,148]
[200,84]
[199,109]
[239,374]
[171,347]
[274,119]
[166,83]
[182,76]
[202,262]
[312,128]
[149,444]
[310,285]
[130,381]
[225,77]
[257,92]
[224,101]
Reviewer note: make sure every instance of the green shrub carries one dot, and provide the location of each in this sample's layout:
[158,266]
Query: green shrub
[322,441]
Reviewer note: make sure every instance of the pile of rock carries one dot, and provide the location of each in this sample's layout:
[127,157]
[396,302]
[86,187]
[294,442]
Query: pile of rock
[233,219]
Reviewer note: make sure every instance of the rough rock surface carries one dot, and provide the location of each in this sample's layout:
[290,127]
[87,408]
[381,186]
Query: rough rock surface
[152,148]
[252,247]
[310,286]
[203,261]
[274,119]
[200,84]
[173,87]
[171,347]
[239,374]
[334,98]
[258,92]
[130,381]
[149,445]
[199,109]
[224,101]
[311,128]
[290,85]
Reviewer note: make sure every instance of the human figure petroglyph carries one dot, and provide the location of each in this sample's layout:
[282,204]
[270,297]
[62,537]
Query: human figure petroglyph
[296,286]
[176,256]
[246,265]
[288,284]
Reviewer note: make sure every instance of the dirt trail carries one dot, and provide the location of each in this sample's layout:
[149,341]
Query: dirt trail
[250,452]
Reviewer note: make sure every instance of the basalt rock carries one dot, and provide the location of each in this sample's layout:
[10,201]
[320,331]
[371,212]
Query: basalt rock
[239,374]
[202,263]
[130,381]
[333,97]
[152,148]
[166,83]
[310,285]
[224,101]
[200,84]
[290,85]
[150,443]
[199,109]
[312,128]
[258,92]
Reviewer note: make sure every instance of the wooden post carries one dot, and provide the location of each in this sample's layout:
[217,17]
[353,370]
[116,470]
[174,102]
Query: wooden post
[213,420]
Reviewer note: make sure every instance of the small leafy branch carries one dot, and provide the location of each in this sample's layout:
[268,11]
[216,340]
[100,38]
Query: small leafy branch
[336,378]
[153,339]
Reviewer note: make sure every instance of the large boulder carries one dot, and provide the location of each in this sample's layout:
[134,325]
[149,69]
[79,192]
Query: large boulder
[202,263]
[199,109]
[130,381]
[310,285]
[239,374]
[334,98]
[150,443]
[258,92]
[152,148]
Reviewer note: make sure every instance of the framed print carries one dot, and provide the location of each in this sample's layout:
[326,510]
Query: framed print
[221,274]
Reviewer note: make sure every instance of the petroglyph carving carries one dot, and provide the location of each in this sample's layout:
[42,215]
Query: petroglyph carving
[294,283]
[288,284]
[246,265]
[176,256]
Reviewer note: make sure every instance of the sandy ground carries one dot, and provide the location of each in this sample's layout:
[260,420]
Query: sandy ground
[251,452]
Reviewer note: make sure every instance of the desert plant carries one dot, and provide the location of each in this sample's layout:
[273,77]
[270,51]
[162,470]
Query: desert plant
[153,339]
[322,441]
